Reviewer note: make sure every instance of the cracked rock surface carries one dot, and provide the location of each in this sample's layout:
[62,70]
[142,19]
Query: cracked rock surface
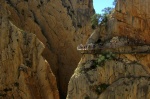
[24,73]
[123,76]
[61,25]
[127,76]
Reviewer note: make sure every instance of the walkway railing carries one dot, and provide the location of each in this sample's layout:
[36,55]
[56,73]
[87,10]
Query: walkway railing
[99,49]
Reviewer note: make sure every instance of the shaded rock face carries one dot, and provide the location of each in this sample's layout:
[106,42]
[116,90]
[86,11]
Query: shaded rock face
[125,76]
[79,11]
[60,25]
[24,73]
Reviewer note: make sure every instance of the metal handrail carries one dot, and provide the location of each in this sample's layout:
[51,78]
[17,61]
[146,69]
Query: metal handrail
[134,49]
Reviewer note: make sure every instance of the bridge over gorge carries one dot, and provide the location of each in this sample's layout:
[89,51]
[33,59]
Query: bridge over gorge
[99,49]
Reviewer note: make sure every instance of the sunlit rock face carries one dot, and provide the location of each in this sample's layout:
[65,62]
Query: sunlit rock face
[24,73]
[131,18]
[61,25]
[126,75]
[123,76]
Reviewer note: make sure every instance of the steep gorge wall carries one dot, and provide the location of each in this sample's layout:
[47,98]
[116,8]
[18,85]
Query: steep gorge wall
[131,19]
[126,75]
[24,73]
[60,25]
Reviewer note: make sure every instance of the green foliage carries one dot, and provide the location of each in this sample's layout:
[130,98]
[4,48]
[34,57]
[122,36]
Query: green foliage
[100,88]
[95,20]
[103,58]
[107,10]
[104,18]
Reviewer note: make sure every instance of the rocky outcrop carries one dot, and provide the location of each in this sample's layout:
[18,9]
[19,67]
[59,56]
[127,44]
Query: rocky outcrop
[24,73]
[133,88]
[79,11]
[125,75]
[60,25]
[101,81]
[131,19]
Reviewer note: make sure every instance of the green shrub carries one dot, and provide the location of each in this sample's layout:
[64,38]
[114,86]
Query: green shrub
[100,88]
[107,10]
[103,58]
[95,20]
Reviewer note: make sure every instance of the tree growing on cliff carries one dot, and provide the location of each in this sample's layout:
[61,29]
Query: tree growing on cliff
[98,19]
[107,10]
[95,20]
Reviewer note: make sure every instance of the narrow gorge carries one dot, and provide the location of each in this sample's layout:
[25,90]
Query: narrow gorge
[120,68]
[39,58]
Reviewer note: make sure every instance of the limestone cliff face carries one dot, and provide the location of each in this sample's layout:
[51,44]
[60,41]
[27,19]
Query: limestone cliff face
[24,73]
[60,25]
[131,19]
[125,75]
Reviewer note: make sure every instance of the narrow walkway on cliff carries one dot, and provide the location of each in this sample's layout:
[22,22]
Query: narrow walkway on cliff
[116,46]
[87,49]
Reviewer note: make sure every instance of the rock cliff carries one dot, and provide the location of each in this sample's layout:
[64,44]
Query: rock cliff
[131,19]
[121,70]
[24,73]
[61,25]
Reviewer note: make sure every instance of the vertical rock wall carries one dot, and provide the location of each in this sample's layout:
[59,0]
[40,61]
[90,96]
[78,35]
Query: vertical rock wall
[131,18]
[60,25]
[24,73]
[123,76]
[127,76]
